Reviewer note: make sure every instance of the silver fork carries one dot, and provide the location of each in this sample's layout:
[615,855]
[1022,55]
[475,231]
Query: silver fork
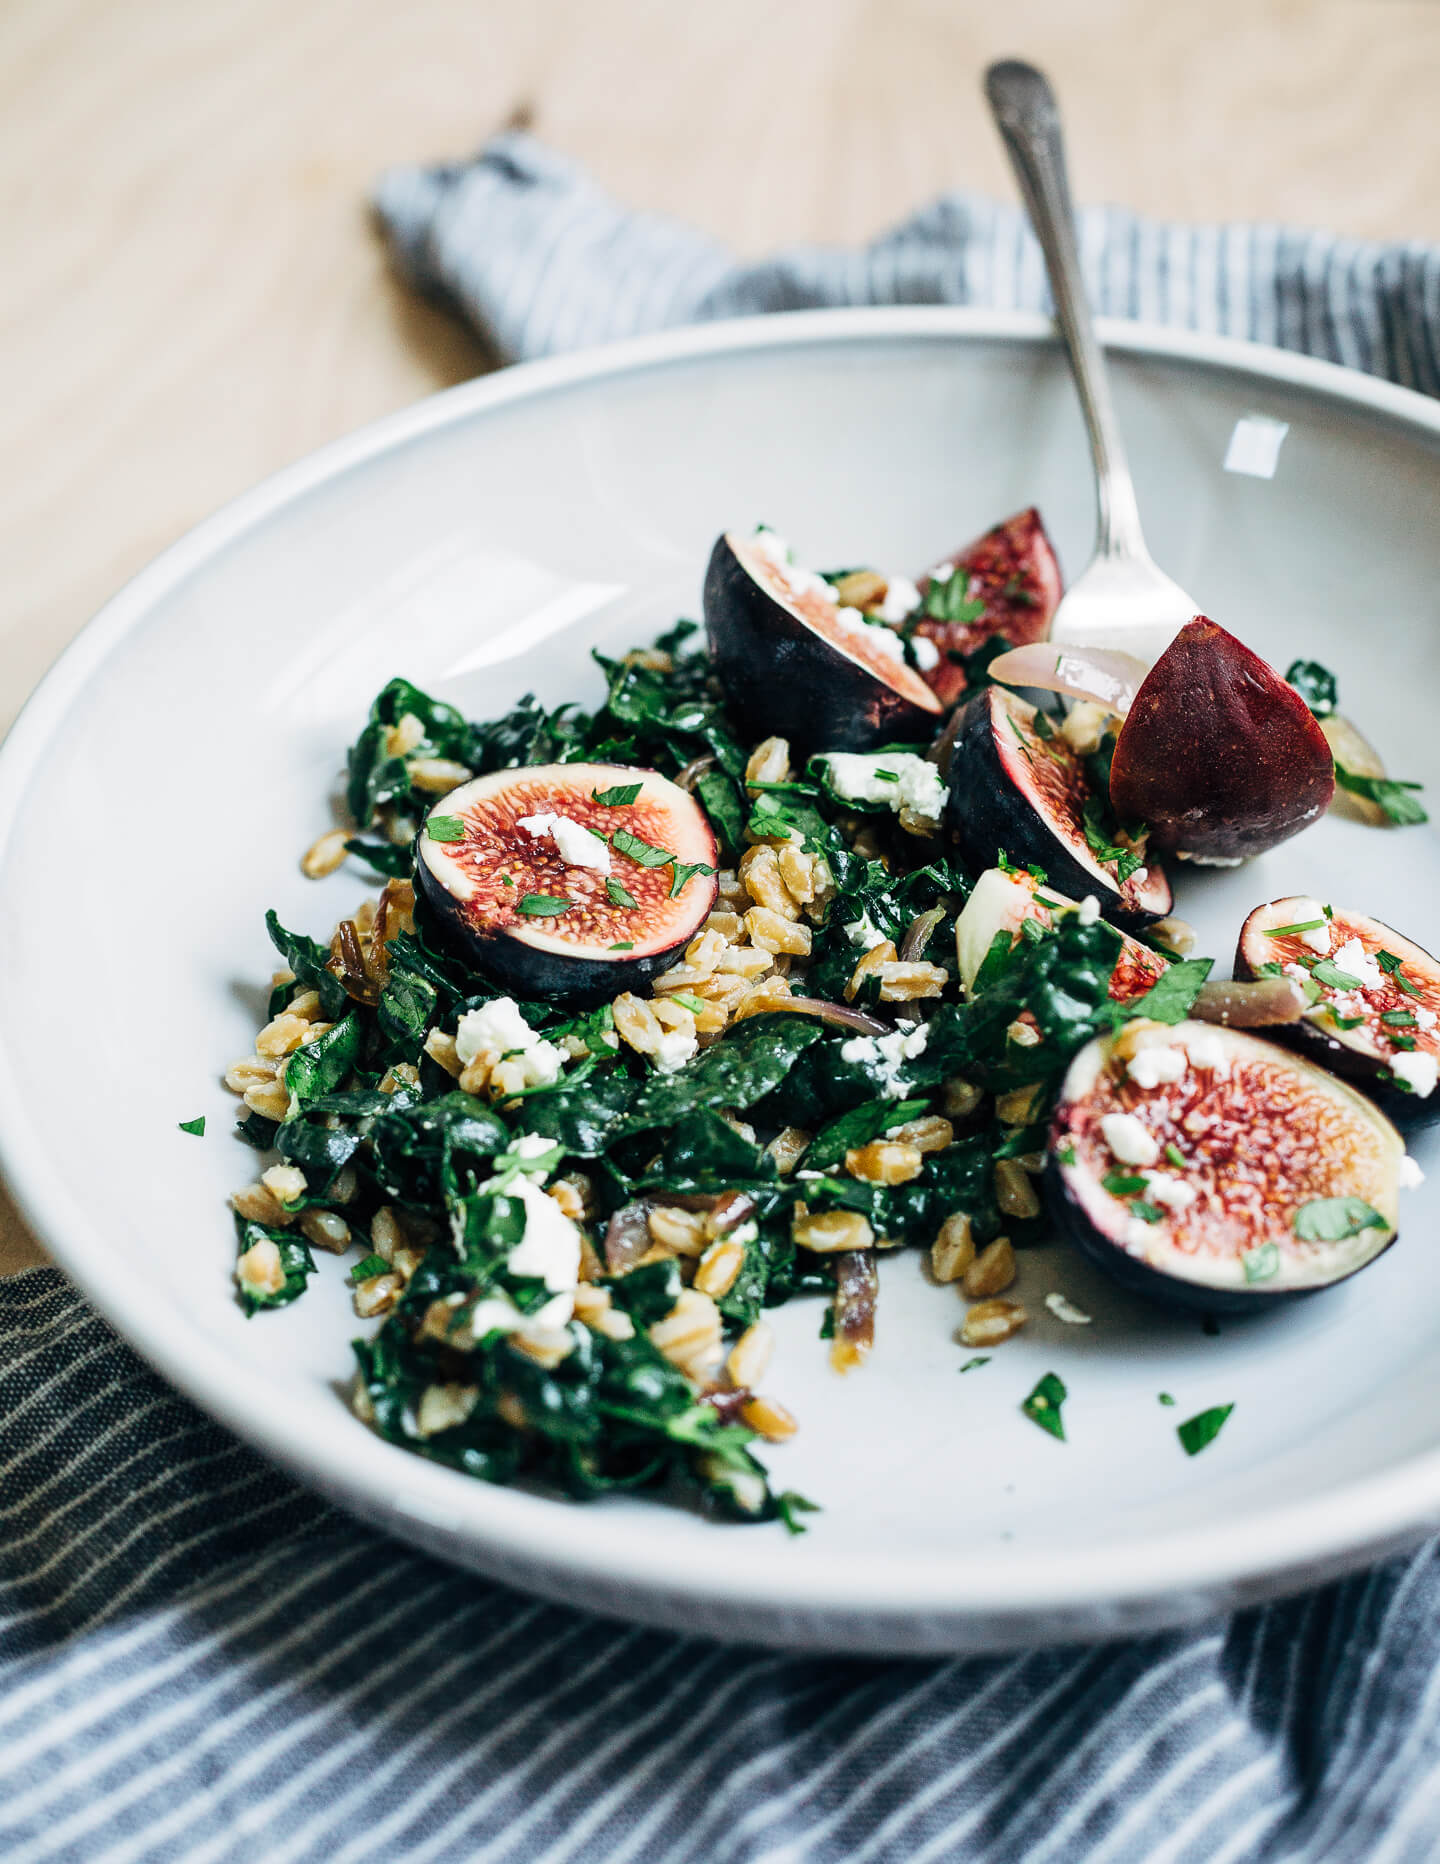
[1123,600]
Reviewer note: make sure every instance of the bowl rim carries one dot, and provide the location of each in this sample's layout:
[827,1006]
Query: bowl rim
[511,1532]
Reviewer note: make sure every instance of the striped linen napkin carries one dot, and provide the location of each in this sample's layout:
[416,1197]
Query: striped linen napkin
[199,1661]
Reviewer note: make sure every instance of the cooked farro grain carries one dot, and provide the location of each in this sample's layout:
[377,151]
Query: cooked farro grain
[690,1335]
[716,1270]
[869,965]
[1014,1192]
[828,1230]
[325,1230]
[749,1358]
[903,981]
[953,1250]
[324,855]
[259,1271]
[884,1162]
[377,1295]
[990,1322]
[436,775]
[770,1418]
[991,1272]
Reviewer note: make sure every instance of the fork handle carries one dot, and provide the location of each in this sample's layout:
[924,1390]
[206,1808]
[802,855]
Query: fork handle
[1028,119]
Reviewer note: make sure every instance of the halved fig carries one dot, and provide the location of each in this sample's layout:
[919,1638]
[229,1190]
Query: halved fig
[553,891]
[1375,1014]
[1013,570]
[1217,754]
[1016,784]
[796,664]
[1002,902]
[1207,1169]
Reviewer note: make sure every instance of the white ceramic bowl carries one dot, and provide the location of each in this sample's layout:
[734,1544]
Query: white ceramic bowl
[157,791]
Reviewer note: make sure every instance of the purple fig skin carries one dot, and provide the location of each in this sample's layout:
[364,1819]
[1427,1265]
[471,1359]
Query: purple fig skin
[783,678]
[1218,755]
[1350,1053]
[994,802]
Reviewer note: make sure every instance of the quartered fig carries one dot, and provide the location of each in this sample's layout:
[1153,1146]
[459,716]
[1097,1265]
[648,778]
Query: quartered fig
[1374,999]
[1002,902]
[1013,571]
[1218,755]
[797,664]
[1017,785]
[1208,1169]
[568,881]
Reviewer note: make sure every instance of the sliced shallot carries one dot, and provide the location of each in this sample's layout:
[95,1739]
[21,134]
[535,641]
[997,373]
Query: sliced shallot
[857,1288]
[1106,675]
[1258,1005]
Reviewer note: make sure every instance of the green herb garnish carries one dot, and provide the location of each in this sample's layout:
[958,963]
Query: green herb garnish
[618,895]
[979,1359]
[623,945]
[1065,1153]
[1303,925]
[1333,978]
[1261,1264]
[1196,1432]
[1123,1184]
[1391,965]
[542,905]
[1336,1219]
[445,828]
[1175,1155]
[686,871]
[949,600]
[1315,684]
[1105,848]
[196,1127]
[372,1265]
[697,1004]
[1392,796]
[1399,1019]
[789,1507]
[645,853]
[619,797]
[1147,1213]
[1165,1398]
[1042,1407]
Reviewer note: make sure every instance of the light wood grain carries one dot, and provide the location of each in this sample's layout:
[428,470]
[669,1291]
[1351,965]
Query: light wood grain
[193,296]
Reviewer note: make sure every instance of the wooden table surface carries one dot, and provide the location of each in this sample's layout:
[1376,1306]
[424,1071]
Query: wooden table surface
[193,294]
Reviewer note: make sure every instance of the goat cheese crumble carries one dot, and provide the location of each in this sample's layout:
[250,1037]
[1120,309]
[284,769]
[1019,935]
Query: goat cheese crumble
[499,1028]
[876,633]
[1411,1176]
[1206,1050]
[864,934]
[889,1053]
[1355,961]
[1166,1189]
[1128,1139]
[677,1046]
[911,783]
[1149,1067]
[902,598]
[1318,937]
[550,1248]
[1417,1071]
[577,845]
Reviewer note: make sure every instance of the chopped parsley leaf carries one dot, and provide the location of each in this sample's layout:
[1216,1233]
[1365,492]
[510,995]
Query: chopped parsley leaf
[789,1506]
[690,1003]
[1042,1407]
[1106,850]
[445,828]
[372,1265]
[1333,978]
[1065,1153]
[949,600]
[507,880]
[645,853]
[1336,1219]
[979,1359]
[542,905]
[1122,1184]
[1197,1431]
[196,1127]
[1391,795]
[618,895]
[1175,1155]
[1315,684]
[1147,1213]
[888,776]
[1261,1264]
[1344,1022]
[1303,925]
[1391,965]
[686,871]
[619,797]
[624,945]
[1399,1019]
[1165,1398]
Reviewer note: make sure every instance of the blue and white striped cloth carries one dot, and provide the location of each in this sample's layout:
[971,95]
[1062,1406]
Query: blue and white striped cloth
[199,1661]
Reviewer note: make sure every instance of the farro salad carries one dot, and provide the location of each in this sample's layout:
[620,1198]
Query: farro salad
[814,942]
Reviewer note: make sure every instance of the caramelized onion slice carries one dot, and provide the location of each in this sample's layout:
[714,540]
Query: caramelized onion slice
[1258,1005]
[857,1289]
[840,1014]
[1106,675]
